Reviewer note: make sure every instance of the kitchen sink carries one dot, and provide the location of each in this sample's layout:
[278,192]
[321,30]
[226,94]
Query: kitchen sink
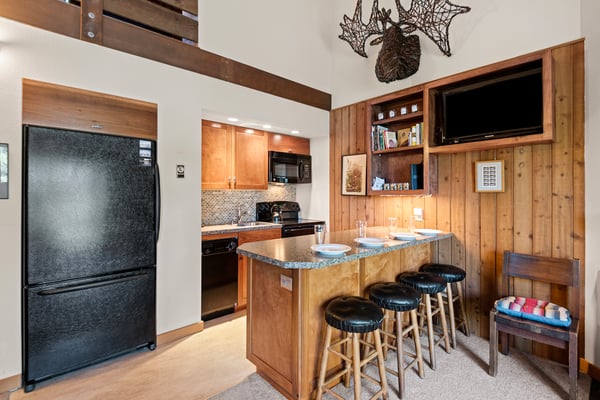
[253,223]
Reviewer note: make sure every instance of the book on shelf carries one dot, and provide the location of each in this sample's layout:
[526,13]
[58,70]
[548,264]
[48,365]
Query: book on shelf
[391,140]
[416,176]
[403,137]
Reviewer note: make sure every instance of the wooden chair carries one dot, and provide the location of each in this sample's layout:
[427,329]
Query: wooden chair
[558,271]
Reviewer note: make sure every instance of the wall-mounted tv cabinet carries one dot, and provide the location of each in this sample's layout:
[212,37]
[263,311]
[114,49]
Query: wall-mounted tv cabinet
[505,104]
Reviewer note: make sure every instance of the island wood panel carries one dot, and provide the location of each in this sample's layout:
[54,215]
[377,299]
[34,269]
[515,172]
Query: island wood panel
[317,287]
[550,215]
[51,105]
[271,323]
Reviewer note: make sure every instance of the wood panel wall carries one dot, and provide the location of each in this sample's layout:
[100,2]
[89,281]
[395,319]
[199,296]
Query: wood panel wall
[540,212]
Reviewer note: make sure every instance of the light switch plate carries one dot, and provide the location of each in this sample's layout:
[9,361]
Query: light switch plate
[180,170]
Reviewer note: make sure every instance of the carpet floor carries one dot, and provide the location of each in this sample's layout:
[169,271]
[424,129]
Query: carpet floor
[462,374]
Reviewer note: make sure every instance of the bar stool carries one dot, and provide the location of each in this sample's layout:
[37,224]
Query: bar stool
[452,274]
[352,316]
[429,284]
[397,298]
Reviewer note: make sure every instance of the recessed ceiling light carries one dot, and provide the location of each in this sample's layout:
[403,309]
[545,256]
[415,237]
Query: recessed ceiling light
[266,126]
[295,132]
[232,119]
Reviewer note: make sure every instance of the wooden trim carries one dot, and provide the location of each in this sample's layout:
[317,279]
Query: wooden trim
[176,334]
[190,6]
[590,369]
[154,15]
[64,19]
[51,105]
[91,21]
[10,383]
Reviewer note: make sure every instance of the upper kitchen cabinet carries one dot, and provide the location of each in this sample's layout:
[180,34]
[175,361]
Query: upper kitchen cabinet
[288,144]
[233,157]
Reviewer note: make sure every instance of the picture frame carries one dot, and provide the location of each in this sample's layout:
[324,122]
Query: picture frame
[354,175]
[489,176]
[3,171]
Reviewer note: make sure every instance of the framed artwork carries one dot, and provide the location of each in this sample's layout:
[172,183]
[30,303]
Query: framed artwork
[3,171]
[489,176]
[354,175]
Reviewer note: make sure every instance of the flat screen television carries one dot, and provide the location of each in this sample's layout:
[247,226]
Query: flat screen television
[502,106]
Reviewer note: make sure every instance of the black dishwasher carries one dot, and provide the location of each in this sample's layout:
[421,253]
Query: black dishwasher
[219,277]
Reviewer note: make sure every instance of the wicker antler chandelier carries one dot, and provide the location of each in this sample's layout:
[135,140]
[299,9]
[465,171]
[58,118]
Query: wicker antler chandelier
[400,55]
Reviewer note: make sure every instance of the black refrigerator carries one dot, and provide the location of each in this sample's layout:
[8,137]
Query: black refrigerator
[90,226]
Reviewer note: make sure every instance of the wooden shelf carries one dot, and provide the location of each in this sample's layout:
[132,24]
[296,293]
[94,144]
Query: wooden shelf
[418,115]
[418,148]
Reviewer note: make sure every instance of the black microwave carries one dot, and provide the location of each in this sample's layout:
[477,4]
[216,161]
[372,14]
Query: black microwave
[289,167]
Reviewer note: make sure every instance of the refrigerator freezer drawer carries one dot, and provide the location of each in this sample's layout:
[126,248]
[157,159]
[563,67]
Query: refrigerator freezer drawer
[77,324]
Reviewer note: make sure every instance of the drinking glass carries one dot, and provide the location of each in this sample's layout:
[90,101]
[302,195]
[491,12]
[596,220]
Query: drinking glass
[320,233]
[392,225]
[361,228]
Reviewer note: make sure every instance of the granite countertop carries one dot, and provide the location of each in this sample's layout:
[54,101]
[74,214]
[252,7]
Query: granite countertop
[232,228]
[296,253]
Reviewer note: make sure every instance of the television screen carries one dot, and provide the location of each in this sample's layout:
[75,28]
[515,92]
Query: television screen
[509,105]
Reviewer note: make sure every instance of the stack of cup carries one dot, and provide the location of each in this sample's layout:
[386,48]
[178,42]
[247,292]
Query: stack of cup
[361,228]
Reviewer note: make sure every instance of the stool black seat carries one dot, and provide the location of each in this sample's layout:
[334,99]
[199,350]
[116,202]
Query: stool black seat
[430,284]
[448,272]
[424,282]
[396,299]
[395,296]
[452,275]
[353,316]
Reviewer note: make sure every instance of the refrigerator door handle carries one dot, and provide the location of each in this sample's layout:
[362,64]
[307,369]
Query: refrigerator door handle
[157,190]
[74,288]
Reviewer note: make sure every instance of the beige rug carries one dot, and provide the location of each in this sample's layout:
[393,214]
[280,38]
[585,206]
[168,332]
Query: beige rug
[195,367]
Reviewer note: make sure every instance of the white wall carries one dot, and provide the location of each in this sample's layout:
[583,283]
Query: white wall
[590,9]
[181,96]
[492,31]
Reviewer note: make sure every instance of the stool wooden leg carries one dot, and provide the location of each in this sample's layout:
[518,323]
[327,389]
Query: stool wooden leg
[324,356]
[430,336]
[463,309]
[444,325]
[356,362]
[348,350]
[450,298]
[400,352]
[417,340]
[381,364]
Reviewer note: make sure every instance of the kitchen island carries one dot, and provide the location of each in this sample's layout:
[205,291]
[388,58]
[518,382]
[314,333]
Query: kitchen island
[289,286]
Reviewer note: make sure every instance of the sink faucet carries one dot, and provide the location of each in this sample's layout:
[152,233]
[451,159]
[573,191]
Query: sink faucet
[240,214]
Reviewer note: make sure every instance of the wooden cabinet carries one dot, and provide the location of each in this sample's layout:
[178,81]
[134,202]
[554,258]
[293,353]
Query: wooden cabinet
[398,151]
[233,158]
[288,144]
[480,76]
[247,237]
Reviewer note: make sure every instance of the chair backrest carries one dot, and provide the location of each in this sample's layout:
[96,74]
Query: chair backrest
[559,271]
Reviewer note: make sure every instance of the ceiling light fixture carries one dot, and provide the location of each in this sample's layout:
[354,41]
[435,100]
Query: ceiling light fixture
[266,126]
[232,119]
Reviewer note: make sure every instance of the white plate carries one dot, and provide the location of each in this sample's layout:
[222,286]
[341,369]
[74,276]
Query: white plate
[370,242]
[403,235]
[330,249]
[428,232]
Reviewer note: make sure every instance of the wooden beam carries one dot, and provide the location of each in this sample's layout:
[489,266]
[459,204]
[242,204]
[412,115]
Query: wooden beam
[190,6]
[63,18]
[153,15]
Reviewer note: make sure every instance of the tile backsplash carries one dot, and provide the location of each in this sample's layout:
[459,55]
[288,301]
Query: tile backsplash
[221,206]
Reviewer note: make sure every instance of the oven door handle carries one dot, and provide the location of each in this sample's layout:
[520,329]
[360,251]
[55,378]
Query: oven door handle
[300,228]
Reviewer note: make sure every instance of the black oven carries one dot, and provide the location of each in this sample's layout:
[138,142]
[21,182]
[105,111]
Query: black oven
[289,167]
[287,214]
